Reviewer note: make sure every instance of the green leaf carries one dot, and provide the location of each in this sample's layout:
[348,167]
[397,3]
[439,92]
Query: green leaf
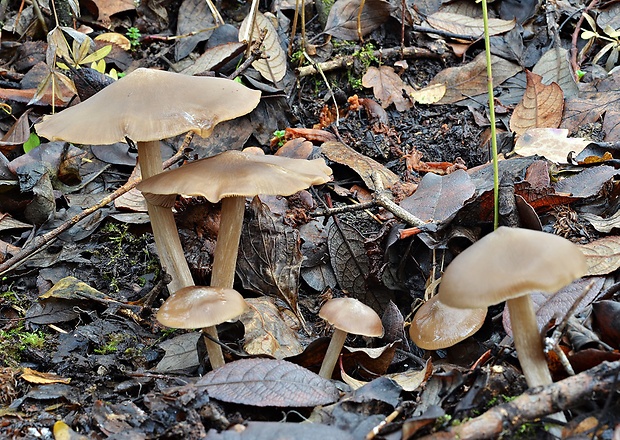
[97,55]
[32,143]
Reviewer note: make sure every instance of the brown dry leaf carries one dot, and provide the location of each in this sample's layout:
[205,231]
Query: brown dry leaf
[429,95]
[194,16]
[114,38]
[388,87]
[587,183]
[554,66]
[411,379]
[108,8]
[602,255]
[33,376]
[540,107]
[471,79]
[551,143]
[268,382]
[342,19]
[215,57]
[368,362]
[464,25]
[362,165]
[270,330]
[273,66]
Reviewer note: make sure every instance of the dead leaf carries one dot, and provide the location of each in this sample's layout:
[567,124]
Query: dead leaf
[270,330]
[280,431]
[471,79]
[602,255]
[180,354]
[429,95]
[540,107]
[411,379]
[587,183]
[606,315]
[270,256]
[554,66]
[215,57]
[273,66]
[268,382]
[464,25]
[33,376]
[362,165]
[107,8]
[342,19]
[552,143]
[114,38]
[388,87]
[194,17]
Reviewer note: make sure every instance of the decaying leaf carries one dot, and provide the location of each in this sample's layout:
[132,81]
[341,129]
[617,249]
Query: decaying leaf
[194,17]
[554,66]
[215,57]
[273,66]
[270,256]
[464,25]
[33,376]
[552,143]
[541,106]
[588,182]
[411,379]
[268,382]
[269,329]
[108,8]
[388,87]
[429,95]
[471,79]
[279,430]
[602,255]
[361,164]
[180,353]
[342,19]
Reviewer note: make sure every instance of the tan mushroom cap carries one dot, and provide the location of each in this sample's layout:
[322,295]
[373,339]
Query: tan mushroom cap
[199,307]
[508,263]
[436,326]
[235,173]
[149,105]
[352,316]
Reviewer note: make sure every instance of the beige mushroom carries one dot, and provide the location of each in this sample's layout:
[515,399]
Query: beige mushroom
[146,106]
[507,265]
[347,315]
[231,177]
[436,326]
[203,307]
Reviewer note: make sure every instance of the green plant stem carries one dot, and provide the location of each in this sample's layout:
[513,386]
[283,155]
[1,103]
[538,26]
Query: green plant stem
[487,50]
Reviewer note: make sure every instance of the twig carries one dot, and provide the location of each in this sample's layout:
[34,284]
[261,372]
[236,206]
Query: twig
[575,64]
[536,403]
[41,242]
[345,62]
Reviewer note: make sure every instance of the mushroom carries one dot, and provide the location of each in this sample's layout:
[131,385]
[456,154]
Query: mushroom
[436,326]
[347,315]
[146,106]
[231,177]
[507,265]
[202,307]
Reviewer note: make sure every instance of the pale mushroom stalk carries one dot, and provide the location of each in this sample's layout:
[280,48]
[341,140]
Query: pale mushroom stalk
[163,224]
[528,341]
[333,352]
[227,245]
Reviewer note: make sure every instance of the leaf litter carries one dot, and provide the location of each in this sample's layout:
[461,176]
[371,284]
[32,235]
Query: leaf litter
[79,307]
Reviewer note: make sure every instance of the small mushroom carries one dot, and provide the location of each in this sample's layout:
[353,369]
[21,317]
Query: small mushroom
[507,265]
[231,177]
[347,315]
[146,106]
[202,307]
[436,326]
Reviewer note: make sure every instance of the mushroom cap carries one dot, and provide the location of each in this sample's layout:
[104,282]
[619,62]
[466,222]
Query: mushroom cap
[508,263]
[149,105]
[352,316]
[199,307]
[436,326]
[235,173]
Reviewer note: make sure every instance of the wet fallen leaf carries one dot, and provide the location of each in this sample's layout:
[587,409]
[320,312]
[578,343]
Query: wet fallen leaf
[541,106]
[368,362]
[471,79]
[180,354]
[606,316]
[465,25]
[268,382]
[388,87]
[602,255]
[342,18]
[33,376]
[411,379]
[551,143]
[362,165]
[280,431]
[554,66]
[587,183]
[601,224]
[215,57]
[273,66]
[194,16]
[429,95]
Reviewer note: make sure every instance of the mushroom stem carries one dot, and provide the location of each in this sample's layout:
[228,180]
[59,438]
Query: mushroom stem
[333,351]
[227,245]
[162,221]
[216,357]
[528,341]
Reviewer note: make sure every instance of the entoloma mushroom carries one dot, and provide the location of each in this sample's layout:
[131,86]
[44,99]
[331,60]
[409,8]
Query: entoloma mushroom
[202,307]
[507,265]
[346,315]
[231,177]
[436,325]
[146,106]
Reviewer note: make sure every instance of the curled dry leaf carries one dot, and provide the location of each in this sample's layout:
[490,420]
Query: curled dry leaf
[602,255]
[429,95]
[273,66]
[552,143]
[388,87]
[342,19]
[464,25]
[540,107]
[268,382]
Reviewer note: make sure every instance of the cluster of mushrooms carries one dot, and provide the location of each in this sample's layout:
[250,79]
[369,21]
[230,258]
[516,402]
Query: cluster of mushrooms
[506,265]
